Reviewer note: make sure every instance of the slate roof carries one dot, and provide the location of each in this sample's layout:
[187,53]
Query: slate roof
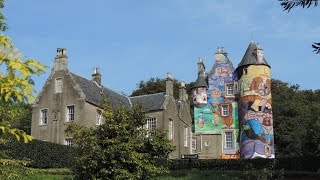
[200,82]
[151,101]
[95,93]
[249,58]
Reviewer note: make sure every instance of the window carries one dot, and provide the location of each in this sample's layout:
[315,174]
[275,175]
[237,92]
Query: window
[70,113]
[43,116]
[68,141]
[228,140]
[224,110]
[58,85]
[194,144]
[98,117]
[151,124]
[207,143]
[229,89]
[170,129]
[245,71]
[185,137]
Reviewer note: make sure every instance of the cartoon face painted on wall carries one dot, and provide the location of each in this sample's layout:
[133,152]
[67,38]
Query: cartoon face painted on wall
[199,96]
[260,55]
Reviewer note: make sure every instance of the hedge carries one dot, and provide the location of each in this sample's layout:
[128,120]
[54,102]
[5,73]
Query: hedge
[40,154]
[304,163]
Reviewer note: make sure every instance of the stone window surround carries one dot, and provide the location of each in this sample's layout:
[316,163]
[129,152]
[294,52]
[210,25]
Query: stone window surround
[69,114]
[41,120]
[58,86]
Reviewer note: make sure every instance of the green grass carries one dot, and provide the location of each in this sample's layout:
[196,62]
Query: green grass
[47,176]
[50,174]
[199,175]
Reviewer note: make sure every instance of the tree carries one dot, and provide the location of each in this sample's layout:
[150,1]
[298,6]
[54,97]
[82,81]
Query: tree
[119,148]
[287,5]
[157,85]
[296,119]
[16,87]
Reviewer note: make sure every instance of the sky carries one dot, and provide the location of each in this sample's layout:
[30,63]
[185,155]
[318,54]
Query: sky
[132,41]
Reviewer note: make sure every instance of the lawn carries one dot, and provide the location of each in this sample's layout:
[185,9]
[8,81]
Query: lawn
[65,174]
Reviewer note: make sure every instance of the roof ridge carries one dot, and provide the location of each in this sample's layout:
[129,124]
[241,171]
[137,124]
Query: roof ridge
[100,86]
[147,95]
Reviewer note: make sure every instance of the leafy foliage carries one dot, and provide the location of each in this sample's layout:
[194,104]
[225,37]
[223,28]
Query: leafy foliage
[296,115]
[15,82]
[39,154]
[16,86]
[157,85]
[287,5]
[303,163]
[316,47]
[119,148]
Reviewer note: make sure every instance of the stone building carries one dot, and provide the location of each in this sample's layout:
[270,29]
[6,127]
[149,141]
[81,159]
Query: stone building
[68,97]
[232,107]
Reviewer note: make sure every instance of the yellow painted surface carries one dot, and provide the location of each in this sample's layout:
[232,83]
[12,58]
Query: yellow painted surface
[257,71]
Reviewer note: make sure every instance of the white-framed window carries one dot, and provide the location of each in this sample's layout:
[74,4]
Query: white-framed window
[207,143]
[225,110]
[170,129]
[43,117]
[228,139]
[229,89]
[185,136]
[68,141]
[194,144]
[98,117]
[151,124]
[58,85]
[70,113]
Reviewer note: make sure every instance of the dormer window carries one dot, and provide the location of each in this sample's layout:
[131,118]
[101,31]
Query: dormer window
[58,85]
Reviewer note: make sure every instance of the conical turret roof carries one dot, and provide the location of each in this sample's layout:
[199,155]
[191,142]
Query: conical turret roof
[250,58]
[200,82]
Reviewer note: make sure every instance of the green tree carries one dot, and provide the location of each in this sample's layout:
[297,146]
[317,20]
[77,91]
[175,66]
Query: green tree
[157,85]
[296,119]
[16,87]
[119,148]
[287,5]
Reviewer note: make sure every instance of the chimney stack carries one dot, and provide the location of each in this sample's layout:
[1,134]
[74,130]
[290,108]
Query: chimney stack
[201,67]
[169,84]
[183,96]
[96,76]
[61,60]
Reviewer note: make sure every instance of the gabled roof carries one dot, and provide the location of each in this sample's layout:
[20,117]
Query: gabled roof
[151,101]
[95,93]
[249,58]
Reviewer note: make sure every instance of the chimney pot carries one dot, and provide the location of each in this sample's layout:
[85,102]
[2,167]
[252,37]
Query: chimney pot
[96,76]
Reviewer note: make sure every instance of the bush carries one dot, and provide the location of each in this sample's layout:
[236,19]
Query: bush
[307,163]
[40,154]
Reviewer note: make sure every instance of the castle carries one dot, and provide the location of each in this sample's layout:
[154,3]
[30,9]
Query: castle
[232,107]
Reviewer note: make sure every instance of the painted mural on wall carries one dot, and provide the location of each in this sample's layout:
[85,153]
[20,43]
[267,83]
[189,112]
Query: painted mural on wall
[255,112]
[215,109]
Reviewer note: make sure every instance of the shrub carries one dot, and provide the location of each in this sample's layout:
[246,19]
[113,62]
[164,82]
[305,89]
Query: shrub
[40,154]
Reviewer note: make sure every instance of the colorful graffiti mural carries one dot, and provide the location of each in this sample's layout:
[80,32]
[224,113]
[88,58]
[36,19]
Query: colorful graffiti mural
[217,111]
[255,112]
[236,104]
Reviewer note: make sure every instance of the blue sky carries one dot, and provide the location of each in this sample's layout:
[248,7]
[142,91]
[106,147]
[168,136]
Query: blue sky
[134,40]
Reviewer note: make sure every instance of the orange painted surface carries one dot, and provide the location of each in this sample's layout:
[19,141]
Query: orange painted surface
[230,156]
